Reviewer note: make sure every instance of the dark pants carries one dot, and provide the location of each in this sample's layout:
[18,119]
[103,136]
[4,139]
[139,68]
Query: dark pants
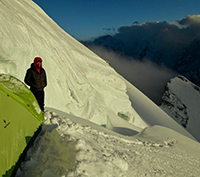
[39,95]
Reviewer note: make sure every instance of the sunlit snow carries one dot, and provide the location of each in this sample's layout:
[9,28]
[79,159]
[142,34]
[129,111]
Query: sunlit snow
[92,114]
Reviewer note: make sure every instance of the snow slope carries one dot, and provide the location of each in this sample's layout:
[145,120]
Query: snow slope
[182,102]
[81,84]
[69,146]
[150,113]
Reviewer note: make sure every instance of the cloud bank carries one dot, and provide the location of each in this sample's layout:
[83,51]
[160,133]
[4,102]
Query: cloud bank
[141,46]
[190,20]
[161,42]
[147,76]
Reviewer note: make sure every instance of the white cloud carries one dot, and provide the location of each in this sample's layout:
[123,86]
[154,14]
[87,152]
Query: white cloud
[191,20]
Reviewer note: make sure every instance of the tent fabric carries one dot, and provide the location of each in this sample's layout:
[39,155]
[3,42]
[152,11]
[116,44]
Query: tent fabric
[20,117]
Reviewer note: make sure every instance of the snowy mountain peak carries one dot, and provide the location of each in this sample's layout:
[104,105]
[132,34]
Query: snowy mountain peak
[181,101]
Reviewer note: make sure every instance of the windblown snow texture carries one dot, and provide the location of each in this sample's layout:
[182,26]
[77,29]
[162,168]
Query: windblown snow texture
[83,85]
[71,146]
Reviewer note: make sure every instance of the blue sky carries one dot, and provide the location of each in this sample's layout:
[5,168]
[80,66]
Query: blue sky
[86,19]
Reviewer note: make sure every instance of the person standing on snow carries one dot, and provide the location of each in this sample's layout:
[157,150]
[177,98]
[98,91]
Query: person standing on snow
[36,79]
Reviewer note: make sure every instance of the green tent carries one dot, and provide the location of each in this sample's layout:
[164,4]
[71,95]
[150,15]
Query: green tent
[20,118]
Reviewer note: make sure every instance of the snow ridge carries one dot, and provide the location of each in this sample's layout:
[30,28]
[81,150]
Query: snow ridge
[87,151]
[79,82]
[179,111]
[182,101]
